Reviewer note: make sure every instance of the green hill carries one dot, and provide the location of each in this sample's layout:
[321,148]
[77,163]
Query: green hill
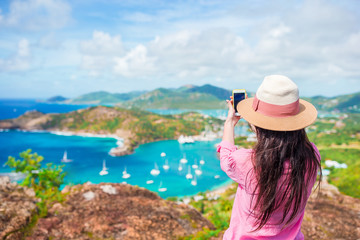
[201,97]
[343,103]
[220,93]
[102,97]
[162,98]
[56,99]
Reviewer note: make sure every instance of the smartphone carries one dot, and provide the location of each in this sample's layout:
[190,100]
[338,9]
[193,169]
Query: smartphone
[238,95]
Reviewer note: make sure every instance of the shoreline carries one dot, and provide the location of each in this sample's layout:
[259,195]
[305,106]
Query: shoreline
[212,193]
[119,141]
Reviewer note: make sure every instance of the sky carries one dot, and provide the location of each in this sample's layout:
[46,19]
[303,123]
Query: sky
[69,48]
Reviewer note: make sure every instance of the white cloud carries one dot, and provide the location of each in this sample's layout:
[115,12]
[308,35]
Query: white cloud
[19,61]
[287,44]
[49,41]
[99,52]
[135,63]
[312,40]
[143,44]
[23,48]
[139,17]
[102,44]
[37,15]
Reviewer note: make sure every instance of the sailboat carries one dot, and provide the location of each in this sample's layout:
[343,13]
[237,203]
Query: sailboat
[166,165]
[65,159]
[195,166]
[162,189]
[104,165]
[183,160]
[198,171]
[180,168]
[125,174]
[155,171]
[189,175]
[104,170]
[149,181]
[194,181]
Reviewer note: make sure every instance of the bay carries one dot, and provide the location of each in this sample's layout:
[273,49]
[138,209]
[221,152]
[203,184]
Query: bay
[88,154]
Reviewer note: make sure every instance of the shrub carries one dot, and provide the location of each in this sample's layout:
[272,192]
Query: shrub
[45,181]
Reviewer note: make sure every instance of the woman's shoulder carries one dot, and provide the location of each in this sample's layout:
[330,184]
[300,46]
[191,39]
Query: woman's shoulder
[242,150]
[243,154]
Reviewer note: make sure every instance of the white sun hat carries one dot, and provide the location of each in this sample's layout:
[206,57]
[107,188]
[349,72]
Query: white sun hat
[277,106]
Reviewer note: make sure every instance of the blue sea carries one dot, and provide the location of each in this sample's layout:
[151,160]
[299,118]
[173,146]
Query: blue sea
[88,154]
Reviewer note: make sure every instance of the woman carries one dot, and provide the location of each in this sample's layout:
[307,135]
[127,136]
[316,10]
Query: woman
[275,177]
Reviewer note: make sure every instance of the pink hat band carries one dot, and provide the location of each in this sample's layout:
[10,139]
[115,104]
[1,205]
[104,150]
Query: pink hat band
[273,110]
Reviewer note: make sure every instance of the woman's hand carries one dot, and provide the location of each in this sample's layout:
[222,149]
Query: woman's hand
[231,118]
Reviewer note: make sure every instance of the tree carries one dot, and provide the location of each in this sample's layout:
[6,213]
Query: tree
[46,181]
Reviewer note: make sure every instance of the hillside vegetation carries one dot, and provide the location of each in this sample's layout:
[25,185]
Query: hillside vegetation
[102,97]
[338,139]
[343,103]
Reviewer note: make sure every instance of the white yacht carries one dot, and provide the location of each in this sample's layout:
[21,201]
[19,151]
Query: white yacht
[194,181]
[184,160]
[155,171]
[126,175]
[166,165]
[189,175]
[104,170]
[180,168]
[162,189]
[149,181]
[185,139]
[163,154]
[202,162]
[195,166]
[198,171]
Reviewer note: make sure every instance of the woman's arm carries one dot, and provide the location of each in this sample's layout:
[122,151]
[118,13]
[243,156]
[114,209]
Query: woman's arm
[232,165]
[230,123]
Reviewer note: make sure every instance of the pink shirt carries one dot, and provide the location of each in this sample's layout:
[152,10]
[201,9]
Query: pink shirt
[236,163]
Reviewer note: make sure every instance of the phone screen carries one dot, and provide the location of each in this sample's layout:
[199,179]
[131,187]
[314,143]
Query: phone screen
[237,98]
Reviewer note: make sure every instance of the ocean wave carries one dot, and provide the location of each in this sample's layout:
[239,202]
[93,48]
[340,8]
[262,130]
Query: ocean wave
[62,133]
[14,176]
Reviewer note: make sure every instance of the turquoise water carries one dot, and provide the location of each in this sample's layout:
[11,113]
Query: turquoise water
[88,154]
[12,108]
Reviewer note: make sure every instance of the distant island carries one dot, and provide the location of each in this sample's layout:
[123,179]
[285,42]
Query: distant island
[56,99]
[133,126]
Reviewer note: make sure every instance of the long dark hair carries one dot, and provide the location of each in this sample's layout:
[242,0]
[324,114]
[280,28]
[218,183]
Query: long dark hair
[272,150]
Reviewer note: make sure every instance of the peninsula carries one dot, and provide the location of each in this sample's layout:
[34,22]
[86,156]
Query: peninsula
[133,126]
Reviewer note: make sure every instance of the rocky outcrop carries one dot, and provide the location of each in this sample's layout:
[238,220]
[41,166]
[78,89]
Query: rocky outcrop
[28,121]
[121,211]
[17,207]
[331,215]
[117,211]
